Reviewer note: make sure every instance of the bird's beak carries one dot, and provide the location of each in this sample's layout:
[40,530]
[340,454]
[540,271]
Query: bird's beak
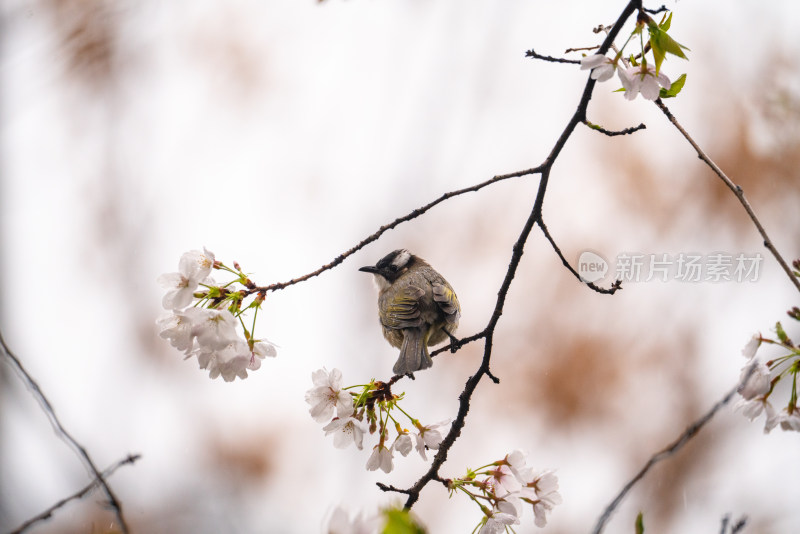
[369,269]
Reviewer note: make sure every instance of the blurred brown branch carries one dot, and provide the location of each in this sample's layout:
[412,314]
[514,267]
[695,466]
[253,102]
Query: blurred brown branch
[737,190]
[130,459]
[65,436]
[671,449]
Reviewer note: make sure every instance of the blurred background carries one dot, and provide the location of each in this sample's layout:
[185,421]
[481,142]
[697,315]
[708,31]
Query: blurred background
[281,133]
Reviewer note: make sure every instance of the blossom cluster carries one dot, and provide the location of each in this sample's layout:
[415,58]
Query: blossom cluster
[760,379]
[203,317]
[503,488]
[368,412]
[637,74]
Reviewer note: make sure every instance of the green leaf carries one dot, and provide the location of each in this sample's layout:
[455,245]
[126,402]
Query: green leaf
[781,332]
[401,522]
[662,44]
[664,25]
[674,89]
[640,523]
[673,47]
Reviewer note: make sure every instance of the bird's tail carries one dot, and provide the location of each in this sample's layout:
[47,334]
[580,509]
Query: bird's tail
[413,353]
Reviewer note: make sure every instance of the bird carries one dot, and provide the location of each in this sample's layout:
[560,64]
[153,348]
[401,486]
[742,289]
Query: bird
[417,308]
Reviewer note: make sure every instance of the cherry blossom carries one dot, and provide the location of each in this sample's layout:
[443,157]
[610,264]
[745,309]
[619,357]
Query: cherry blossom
[326,394]
[176,327]
[214,329]
[429,437]
[381,457]
[517,461]
[197,265]
[497,523]
[758,381]
[749,350]
[543,494]
[193,268]
[790,421]
[229,362]
[602,67]
[504,481]
[643,79]
[403,444]
[346,430]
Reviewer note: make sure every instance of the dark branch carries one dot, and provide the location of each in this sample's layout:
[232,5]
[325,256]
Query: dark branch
[62,433]
[582,49]
[610,291]
[658,10]
[611,133]
[670,450]
[736,527]
[461,342]
[47,514]
[374,237]
[385,487]
[532,53]
[737,190]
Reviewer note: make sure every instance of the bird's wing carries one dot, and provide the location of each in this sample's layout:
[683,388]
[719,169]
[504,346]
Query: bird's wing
[403,310]
[445,297]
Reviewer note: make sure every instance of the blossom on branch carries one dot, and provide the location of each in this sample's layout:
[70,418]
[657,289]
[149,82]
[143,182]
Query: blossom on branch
[403,444]
[602,67]
[176,327]
[346,430]
[208,329]
[193,268]
[327,394]
[643,79]
[497,523]
[429,437]
[542,493]
[381,457]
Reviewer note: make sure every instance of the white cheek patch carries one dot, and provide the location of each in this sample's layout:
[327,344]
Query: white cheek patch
[401,259]
[380,282]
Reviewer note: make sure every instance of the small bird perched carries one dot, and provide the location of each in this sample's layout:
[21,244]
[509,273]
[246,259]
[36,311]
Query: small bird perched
[416,307]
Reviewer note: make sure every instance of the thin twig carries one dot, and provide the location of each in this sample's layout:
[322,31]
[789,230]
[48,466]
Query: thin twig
[670,450]
[130,459]
[612,133]
[658,10]
[532,53]
[582,49]
[736,527]
[737,190]
[374,237]
[65,436]
[610,291]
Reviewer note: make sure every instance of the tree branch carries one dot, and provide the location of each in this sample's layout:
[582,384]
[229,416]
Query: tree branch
[614,287]
[65,436]
[737,190]
[670,450]
[130,459]
[374,237]
[611,133]
[532,53]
